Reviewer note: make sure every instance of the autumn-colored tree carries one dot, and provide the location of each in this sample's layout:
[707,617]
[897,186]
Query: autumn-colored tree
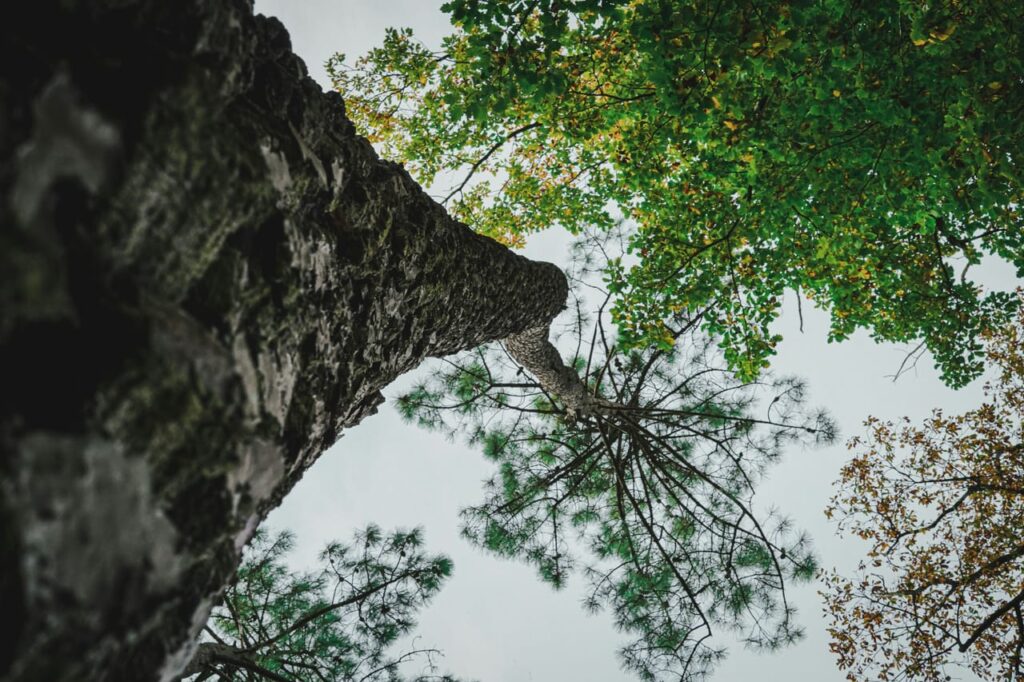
[856,152]
[336,624]
[638,473]
[942,506]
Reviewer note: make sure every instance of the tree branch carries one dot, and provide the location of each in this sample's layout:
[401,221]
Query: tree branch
[490,152]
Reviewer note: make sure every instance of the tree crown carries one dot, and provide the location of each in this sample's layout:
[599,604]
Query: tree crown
[854,152]
[942,505]
[648,492]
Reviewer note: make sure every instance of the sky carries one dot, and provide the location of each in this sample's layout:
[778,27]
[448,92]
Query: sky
[495,620]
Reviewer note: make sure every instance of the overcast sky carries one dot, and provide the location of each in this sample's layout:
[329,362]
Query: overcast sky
[495,621]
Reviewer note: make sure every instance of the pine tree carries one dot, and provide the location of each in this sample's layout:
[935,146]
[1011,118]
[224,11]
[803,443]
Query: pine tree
[336,624]
[636,468]
[207,275]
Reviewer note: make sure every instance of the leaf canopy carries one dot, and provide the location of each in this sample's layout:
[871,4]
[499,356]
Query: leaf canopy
[942,506]
[856,152]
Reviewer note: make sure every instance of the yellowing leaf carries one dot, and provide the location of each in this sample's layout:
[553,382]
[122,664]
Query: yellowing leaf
[731,125]
[920,42]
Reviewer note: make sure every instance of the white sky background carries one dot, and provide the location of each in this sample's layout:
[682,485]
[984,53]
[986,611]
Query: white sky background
[495,620]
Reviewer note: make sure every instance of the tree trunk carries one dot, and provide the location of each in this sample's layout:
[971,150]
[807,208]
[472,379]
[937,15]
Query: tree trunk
[206,276]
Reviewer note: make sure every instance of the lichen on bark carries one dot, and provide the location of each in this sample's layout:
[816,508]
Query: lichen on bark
[207,275]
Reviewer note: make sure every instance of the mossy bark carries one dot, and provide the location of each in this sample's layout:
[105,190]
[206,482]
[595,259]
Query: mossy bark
[207,275]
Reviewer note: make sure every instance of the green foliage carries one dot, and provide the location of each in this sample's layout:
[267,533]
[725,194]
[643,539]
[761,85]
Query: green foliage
[853,152]
[649,498]
[334,624]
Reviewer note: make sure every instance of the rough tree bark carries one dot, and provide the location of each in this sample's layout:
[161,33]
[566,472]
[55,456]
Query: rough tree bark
[207,275]
[533,349]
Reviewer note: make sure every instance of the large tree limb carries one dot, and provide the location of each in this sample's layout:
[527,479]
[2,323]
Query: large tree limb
[209,654]
[535,352]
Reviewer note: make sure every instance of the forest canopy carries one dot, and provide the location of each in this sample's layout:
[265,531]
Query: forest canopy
[865,155]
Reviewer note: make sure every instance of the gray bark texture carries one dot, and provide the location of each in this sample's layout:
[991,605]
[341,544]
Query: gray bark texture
[533,349]
[206,276]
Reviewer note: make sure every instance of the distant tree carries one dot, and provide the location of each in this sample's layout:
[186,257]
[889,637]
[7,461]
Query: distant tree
[333,625]
[856,152]
[942,506]
[645,463]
